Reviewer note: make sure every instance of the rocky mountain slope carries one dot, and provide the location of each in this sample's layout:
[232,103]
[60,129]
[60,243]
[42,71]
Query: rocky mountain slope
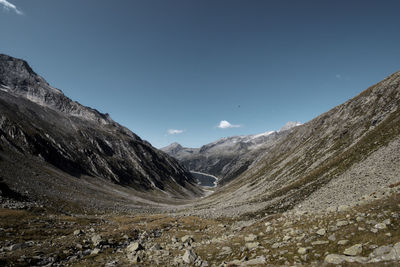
[334,159]
[228,157]
[40,126]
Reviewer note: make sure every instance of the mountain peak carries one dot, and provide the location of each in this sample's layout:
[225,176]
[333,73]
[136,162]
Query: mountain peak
[172,148]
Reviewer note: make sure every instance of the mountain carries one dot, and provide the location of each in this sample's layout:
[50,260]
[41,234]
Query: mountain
[336,159]
[228,157]
[42,128]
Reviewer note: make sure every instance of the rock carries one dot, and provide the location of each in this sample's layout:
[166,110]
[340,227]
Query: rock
[343,242]
[319,242]
[339,259]
[15,247]
[334,259]
[387,221]
[78,232]
[394,254]
[380,226]
[134,258]
[250,238]
[353,250]
[332,237]
[134,246]
[269,229]
[380,251]
[259,261]
[97,240]
[341,223]
[95,251]
[252,245]
[302,251]
[321,232]
[286,238]
[276,245]
[156,247]
[187,239]
[360,219]
[189,256]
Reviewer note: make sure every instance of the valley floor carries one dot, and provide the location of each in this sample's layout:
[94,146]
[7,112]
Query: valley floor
[368,234]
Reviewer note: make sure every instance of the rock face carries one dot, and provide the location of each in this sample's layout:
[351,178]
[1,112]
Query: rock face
[228,157]
[40,121]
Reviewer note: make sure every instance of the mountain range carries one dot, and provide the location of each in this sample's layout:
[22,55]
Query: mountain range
[228,157]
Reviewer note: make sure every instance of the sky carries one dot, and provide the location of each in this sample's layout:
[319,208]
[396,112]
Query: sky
[191,71]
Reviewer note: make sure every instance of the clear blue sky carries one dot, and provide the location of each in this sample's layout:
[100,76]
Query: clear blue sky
[157,65]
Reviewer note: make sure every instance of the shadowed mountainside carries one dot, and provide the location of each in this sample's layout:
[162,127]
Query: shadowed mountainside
[40,121]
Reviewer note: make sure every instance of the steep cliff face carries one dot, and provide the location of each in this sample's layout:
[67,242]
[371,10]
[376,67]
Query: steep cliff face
[333,159]
[37,119]
[228,157]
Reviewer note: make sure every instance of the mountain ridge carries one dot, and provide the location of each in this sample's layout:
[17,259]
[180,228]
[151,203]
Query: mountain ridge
[39,120]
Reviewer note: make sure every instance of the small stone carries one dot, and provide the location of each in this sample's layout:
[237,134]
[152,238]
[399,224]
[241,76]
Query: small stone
[134,246]
[189,256]
[97,240]
[252,245]
[380,226]
[78,232]
[317,243]
[343,242]
[187,239]
[250,238]
[341,223]
[353,250]
[269,229]
[360,219]
[321,232]
[134,258]
[302,251]
[332,237]
[95,251]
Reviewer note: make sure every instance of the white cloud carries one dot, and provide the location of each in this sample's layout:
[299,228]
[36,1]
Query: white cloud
[8,6]
[175,131]
[226,124]
[339,76]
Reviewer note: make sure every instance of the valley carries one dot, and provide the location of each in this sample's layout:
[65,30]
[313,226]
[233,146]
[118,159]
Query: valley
[79,189]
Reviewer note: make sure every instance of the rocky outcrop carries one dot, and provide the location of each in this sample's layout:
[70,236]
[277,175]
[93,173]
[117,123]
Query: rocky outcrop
[37,119]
